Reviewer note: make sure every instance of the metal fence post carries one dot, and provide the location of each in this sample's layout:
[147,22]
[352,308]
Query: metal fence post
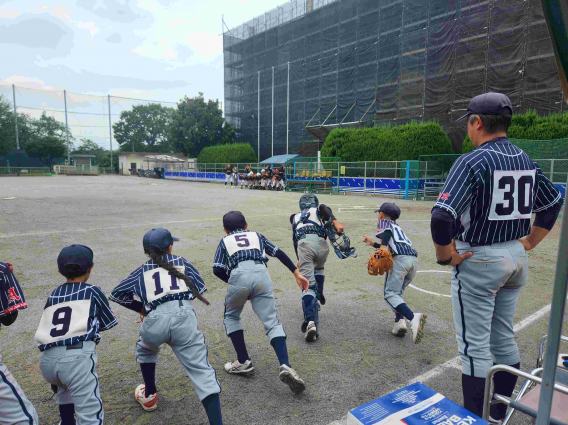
[552,170]
[288,109]
[375,180]
[272,112]
[406,187]
[258,117]
[555,326]
[338,176]
[365,180]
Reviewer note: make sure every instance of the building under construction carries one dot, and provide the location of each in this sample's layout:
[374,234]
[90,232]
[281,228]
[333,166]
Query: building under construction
[296,72]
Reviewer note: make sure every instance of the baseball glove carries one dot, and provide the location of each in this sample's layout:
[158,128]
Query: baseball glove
[380,262]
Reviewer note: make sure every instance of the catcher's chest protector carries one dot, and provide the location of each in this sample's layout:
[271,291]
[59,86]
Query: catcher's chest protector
[312,219]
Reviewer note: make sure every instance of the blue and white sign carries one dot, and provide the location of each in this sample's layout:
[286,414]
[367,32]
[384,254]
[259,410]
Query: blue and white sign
[415,404]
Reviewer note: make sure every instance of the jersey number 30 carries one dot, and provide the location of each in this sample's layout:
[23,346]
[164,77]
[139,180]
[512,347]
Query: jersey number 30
[512,195]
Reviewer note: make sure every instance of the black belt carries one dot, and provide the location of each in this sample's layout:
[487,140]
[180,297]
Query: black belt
[259,262]
[475,245]
[76,346]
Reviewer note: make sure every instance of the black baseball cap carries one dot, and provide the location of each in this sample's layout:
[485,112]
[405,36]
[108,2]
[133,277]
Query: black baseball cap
[489,104]
[390,209]
[234,220]
[159,238]
[75,259]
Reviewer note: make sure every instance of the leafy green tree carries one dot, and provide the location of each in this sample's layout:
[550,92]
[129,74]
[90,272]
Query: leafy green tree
[47,149]
[234,153]
[385,143]
[144,128]
[8,128]
[197,124]
[88,147]
[45,139]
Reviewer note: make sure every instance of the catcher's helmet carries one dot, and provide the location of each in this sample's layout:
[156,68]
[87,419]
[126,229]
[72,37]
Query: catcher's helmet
[308,201]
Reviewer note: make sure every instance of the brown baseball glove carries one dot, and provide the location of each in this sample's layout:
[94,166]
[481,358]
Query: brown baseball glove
[380,262]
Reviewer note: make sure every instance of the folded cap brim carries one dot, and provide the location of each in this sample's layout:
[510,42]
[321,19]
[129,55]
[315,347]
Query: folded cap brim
[175,239]
[462,117]
[379,210]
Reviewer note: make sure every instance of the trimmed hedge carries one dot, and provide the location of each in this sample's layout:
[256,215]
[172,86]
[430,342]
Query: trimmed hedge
[233,153]
[386,143]
[530,126]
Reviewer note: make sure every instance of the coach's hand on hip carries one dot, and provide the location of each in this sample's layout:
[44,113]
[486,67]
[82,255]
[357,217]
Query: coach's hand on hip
[449,256]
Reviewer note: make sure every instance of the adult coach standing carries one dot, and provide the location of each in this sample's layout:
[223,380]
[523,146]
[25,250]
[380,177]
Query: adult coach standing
[477,224]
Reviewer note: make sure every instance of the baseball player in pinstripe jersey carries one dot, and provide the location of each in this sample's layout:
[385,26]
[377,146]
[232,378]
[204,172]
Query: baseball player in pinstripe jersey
[481,225]
[240,261]
[68,334]
[15,406]
[165,286]
[310,242]
[405,266]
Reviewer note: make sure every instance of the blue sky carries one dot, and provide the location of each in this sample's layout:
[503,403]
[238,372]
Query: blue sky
[149,49]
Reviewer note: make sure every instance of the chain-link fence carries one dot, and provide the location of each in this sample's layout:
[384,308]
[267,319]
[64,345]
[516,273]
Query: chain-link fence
[555,169]
[313,175]
[421,179]
[24,171]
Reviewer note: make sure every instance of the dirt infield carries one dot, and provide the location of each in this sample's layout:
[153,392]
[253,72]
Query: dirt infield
[356,359]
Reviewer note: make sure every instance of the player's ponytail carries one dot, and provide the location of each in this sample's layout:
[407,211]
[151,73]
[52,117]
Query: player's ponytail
[157,257]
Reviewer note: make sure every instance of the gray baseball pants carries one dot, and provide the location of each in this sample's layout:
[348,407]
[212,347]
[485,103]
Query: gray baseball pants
[73,371]
[403,271]
[174,323]
[485,290]
[251,281]
[312,255]
[15,408]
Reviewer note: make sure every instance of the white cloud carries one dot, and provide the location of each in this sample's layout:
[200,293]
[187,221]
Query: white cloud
[28,82]
[8,13]
[89,26]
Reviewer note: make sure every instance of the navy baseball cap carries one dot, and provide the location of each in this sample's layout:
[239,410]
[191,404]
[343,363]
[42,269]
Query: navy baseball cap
[390,209]
[74,259]
[234,220]
[158,238]
[489,104]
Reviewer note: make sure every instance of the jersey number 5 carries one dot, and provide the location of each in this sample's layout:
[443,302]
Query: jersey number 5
[512,195]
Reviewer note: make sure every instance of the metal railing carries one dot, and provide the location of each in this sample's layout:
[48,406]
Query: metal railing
[24,171]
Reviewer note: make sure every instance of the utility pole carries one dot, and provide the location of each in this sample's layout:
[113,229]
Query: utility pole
[66,128]
[16,118]
[110,133]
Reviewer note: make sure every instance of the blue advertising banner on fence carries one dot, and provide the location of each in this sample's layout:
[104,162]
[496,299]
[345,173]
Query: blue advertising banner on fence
[392,187]
[415,404]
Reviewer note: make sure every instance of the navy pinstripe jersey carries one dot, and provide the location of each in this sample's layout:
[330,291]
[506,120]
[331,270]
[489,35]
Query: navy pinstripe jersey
[399,244]
[74,312]
[11,295]
[492,191]
[154,285]
[242,245]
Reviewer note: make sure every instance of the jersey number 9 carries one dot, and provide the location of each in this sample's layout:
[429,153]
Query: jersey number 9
[61,317]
